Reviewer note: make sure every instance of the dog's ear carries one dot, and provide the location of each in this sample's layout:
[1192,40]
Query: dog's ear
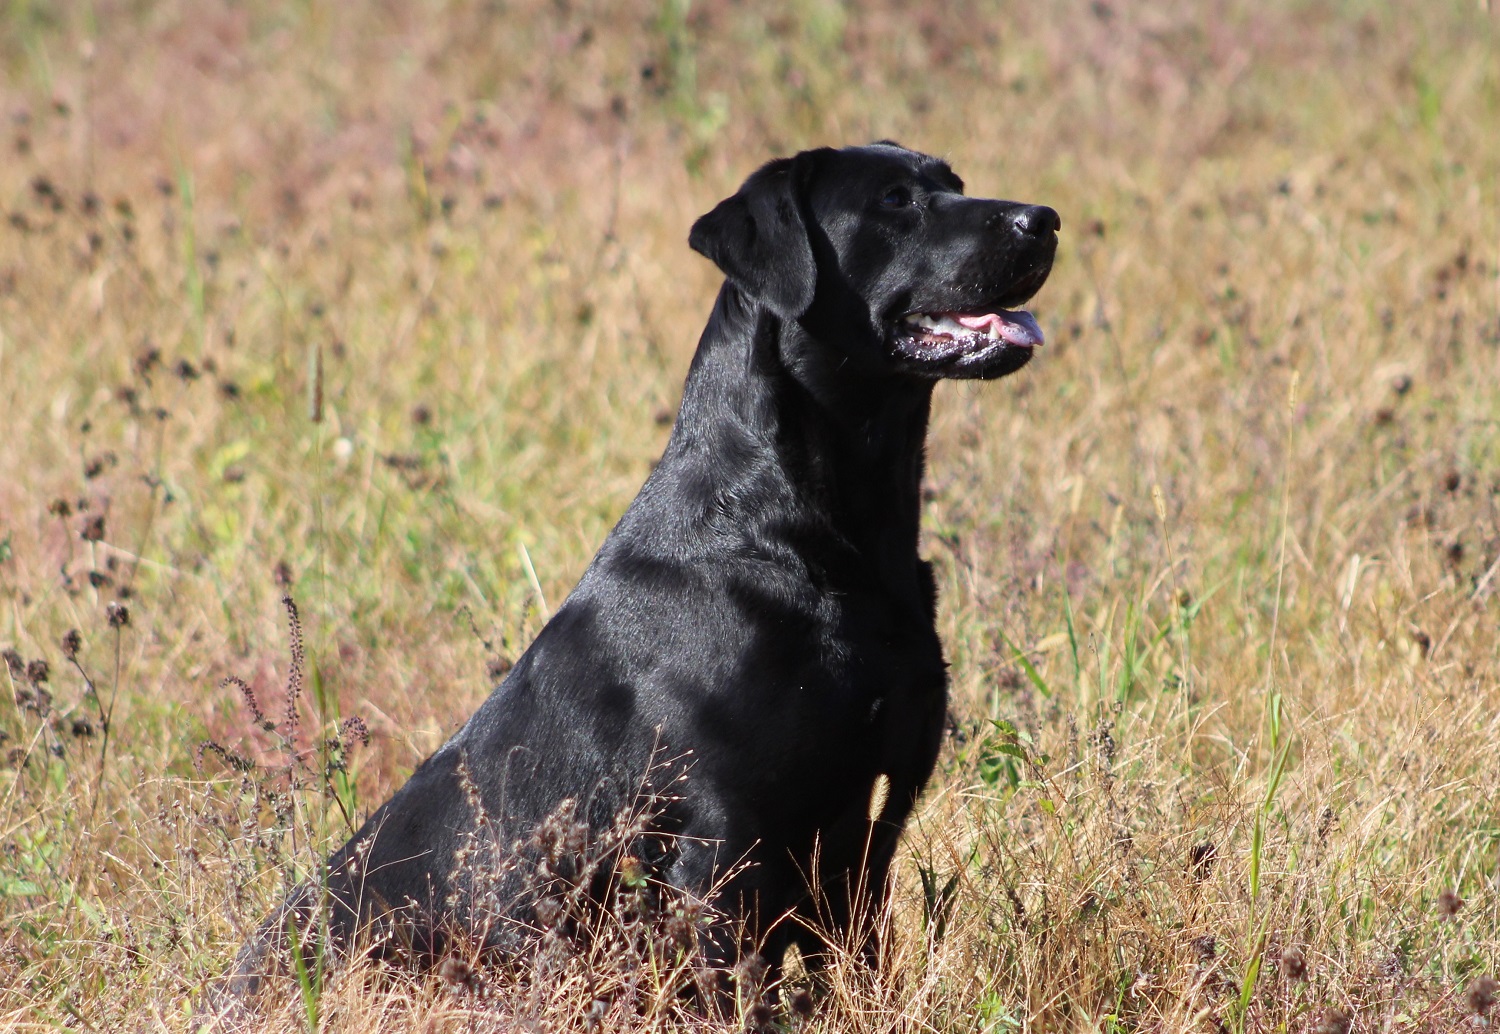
[759,237]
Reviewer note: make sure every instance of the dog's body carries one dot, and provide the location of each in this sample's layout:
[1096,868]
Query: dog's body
[754,642]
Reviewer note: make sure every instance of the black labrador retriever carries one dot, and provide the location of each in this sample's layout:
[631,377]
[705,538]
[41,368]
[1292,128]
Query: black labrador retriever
[750,662]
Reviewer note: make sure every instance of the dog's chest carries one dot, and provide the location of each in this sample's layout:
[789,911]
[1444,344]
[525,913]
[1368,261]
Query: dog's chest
[888,662]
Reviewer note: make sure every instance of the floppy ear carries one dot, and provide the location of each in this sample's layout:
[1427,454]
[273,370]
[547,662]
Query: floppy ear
[759,238]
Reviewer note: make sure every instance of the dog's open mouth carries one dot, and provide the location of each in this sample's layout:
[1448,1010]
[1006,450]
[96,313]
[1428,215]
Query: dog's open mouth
[980,343]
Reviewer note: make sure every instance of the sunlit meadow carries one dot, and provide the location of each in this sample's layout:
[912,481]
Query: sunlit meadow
[386,305]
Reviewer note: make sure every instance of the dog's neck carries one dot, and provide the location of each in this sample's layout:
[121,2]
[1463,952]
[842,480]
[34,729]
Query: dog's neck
[780,437]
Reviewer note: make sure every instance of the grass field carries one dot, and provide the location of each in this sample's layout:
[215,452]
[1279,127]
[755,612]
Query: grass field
[387,305]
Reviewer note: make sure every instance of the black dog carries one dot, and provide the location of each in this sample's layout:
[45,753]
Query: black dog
[753,651]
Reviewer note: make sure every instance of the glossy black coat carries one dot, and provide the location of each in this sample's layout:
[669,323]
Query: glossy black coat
[757,632]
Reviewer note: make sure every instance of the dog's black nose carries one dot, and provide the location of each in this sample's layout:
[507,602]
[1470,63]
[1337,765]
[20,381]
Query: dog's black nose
[1036,220]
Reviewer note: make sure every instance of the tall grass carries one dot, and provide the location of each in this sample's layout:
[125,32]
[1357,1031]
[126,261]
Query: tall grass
[1225,671]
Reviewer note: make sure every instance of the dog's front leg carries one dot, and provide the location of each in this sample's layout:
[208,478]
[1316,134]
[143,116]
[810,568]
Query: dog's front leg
[739,942]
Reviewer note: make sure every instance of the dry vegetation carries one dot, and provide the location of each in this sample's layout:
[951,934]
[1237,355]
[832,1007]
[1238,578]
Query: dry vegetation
[387,305]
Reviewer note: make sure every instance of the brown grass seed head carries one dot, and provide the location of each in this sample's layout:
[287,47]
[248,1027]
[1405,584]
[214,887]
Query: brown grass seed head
[1482,994]
[457,972]
[759,1016]
[1449,904]
[1333,1021]
[1294,963]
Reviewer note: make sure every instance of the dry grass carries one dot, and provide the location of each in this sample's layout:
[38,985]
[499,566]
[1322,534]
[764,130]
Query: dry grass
[389,304]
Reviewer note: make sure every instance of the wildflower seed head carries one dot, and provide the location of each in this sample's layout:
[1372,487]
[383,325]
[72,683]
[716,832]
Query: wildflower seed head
[458,973]
[758,1016]
[1482,994]
[575,840]
[632,871]
[1449,904]
[147,359]
[99,464]
[677,930]
[354,730]
[802,1003]
[1332,1021]
[38,672]
[1393,967]
[93,529]
[1293,963]
[118,615]
[750,971]
[251,703]
[72,642]
[15,665]
[548,912]
[82,727]
[294,675]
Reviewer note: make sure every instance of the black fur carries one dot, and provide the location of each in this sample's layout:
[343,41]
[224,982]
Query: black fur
[757,633]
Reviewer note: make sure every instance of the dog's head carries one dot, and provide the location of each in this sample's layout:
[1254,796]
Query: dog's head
[876,251]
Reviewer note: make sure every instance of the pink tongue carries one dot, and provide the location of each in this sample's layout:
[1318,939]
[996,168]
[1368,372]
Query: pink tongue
[1017,328]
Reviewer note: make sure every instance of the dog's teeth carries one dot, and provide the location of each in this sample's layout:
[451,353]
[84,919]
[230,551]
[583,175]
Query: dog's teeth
[943,323]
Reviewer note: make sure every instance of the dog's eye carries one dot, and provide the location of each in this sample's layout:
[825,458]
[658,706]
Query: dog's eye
[896,197]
